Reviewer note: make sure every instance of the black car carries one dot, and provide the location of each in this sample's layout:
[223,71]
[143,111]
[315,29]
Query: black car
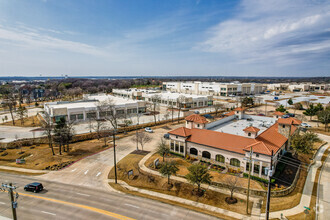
[34,187]
[167,136]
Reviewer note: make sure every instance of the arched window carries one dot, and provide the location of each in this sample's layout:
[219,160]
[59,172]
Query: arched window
[235,162]
[206,154]
[220,158]
[193,151]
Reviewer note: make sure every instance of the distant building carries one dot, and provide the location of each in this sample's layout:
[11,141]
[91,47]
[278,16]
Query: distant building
[227,142]
[87,108]
[166,98]
[215,88]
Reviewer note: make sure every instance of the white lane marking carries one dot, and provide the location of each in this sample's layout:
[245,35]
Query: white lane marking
[74,170]
[98,174]
[83,194]
[2,203]
[49,213]
[132,205]
[86,172]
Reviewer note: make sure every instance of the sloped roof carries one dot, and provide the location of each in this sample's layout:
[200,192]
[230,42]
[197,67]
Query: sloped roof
[196,118]
[229,113]
[239,109]
[289,121]
[252,129]
[267,141]
[279,113]
[225,141]
[182,131]
[259,147]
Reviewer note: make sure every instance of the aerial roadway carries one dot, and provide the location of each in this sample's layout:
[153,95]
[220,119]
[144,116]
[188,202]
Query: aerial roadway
[68,201]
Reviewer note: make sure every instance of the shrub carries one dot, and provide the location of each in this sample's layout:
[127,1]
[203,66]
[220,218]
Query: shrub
[258,178]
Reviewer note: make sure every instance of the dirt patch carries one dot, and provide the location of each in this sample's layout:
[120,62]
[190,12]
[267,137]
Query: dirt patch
[32,121]
[41,157]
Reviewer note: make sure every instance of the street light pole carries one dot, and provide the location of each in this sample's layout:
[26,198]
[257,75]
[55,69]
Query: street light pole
[248,191]
[114,154]
[270,172]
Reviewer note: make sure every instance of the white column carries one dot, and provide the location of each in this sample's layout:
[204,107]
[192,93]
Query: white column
[260,168]
[252,167]
[84,114]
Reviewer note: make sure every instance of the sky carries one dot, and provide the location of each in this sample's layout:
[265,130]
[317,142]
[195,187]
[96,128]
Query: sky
[165,38]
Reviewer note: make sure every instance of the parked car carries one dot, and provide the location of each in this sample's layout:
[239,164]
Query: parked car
[167,136]
[147,129]
[196,112]
[261,114]
[285,116]
[291,114]
[34,187]
[305,125]
[208,116]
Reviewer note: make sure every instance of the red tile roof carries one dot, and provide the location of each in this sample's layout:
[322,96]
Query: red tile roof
[279,113]
[252,129]
[239,109]
[267,141]
[182,131]
[225,141]
[289,121]
[230,113]
[259,147]
[196,118]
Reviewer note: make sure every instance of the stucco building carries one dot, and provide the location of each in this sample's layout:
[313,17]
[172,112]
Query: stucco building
[227,142]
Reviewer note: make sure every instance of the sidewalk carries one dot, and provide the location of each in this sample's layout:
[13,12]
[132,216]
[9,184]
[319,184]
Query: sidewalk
[24,170]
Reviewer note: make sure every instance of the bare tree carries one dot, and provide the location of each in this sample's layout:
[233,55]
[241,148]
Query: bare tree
[48,131]
[154,106]
[22,112]
[10,103]
[142,138]
[232,183]
[180,102]
[170,107]
[217,106]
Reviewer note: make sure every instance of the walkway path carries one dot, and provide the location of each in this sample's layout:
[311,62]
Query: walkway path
[24,170]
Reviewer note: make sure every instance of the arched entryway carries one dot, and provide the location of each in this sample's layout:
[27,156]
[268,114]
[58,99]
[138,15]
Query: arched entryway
[206,154]
[193,151]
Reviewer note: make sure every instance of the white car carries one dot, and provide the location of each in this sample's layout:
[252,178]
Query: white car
[147,129]
[305,125]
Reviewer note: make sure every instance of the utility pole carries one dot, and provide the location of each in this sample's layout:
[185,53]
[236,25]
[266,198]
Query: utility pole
[137,143]
[11,189]
[248,191]
[270,173]
[114,154]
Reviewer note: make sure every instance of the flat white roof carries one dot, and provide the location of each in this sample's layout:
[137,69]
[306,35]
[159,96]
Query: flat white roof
[89,103]
[175,95]
[236,127]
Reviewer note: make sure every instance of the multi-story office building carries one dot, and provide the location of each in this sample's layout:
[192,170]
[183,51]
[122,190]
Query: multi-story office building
[215,88]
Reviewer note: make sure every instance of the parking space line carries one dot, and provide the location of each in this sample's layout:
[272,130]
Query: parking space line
[86,172]
[49,213]
[98,174]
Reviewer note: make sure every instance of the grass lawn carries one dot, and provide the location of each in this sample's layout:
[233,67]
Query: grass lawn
[183,165]
[39,157]
[179,189]
[31,121]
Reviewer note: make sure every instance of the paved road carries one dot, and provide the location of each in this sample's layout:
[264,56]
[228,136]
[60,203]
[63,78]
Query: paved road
[64,201]
[93,170]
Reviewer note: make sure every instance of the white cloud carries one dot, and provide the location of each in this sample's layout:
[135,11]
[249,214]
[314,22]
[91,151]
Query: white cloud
[36,39]
[272,31]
